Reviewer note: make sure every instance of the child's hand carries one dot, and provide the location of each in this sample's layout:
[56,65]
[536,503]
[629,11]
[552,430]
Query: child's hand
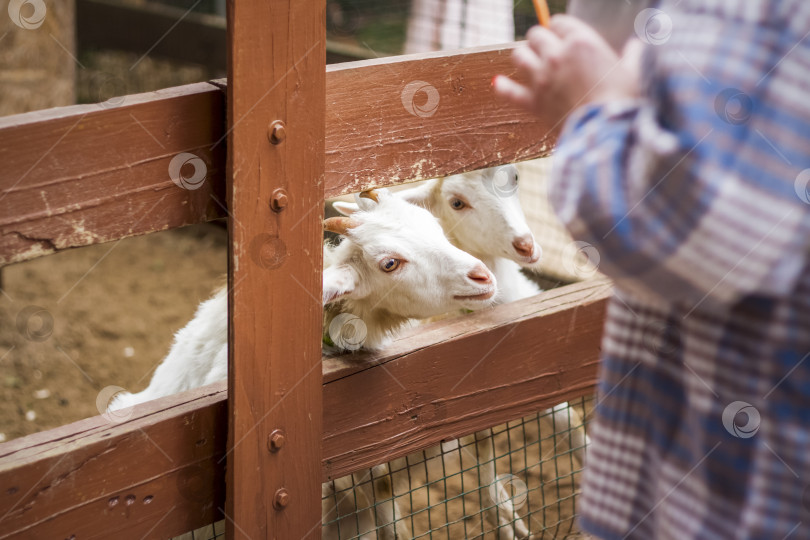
[569,65]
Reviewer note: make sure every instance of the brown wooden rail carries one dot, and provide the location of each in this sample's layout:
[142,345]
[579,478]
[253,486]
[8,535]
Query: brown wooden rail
[71,174]
[93,478]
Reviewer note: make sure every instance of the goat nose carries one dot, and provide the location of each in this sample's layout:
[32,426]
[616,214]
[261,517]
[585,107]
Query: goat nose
[480,274]
[524,245]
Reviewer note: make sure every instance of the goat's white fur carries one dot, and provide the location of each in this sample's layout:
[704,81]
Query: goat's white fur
[491,220]
[490,225]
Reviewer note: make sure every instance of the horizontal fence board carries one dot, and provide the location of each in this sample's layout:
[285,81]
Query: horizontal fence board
[87,174]
[157,474]
[456,378]
[406,118]
[452,378]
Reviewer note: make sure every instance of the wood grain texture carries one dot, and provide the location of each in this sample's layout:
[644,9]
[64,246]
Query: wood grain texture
[277,74]
[458,376]
[158,473]
[59,482]
[86,174]
[406,118]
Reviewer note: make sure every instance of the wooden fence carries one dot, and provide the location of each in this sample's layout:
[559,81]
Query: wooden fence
[284,133]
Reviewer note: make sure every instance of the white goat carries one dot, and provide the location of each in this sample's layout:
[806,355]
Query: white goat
[480,213]
[393,266]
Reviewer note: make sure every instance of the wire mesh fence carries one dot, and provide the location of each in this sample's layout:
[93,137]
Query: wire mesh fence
[516,480]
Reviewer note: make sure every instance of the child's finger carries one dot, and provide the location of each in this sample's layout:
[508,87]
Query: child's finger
[564,25]
[632,50]
[509,90]
[543,41]
[527,62]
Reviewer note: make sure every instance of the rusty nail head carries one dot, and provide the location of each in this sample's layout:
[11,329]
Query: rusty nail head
[277,132]
[279,200]
[282,499]
[276,440]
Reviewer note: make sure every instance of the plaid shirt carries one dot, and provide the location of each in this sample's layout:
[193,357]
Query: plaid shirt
[696,199]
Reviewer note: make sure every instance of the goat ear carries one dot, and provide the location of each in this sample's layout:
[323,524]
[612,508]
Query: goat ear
[345,208]
[340,281]
[419,195]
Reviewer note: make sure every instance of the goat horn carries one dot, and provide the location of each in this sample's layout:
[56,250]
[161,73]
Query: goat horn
[370,194]
[339,225]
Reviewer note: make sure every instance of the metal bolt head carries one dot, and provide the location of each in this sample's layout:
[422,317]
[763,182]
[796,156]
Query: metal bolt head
[277,132]
[281,499]
[279,200]
[276,440]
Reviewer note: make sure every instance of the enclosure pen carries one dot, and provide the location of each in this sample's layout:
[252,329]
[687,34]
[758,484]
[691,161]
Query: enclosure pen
[447,498]
[283,133]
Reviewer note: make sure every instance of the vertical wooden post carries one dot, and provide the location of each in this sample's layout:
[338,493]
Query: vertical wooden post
[276,120]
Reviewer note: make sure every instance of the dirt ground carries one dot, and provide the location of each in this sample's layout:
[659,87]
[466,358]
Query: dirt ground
[76,322]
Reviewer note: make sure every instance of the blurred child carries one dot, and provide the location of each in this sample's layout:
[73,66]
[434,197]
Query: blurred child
[685,163]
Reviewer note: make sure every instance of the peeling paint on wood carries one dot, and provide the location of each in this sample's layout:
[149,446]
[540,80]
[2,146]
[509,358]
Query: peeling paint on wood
[85,174]
[99,165]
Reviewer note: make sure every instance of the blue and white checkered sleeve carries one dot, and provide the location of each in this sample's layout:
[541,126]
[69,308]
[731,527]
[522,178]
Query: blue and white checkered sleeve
[690,192]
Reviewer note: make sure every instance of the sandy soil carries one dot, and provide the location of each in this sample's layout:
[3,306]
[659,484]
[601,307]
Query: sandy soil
[76,322]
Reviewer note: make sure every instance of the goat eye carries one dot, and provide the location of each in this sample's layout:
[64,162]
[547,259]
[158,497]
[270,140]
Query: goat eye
[457,204]
[389,265]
